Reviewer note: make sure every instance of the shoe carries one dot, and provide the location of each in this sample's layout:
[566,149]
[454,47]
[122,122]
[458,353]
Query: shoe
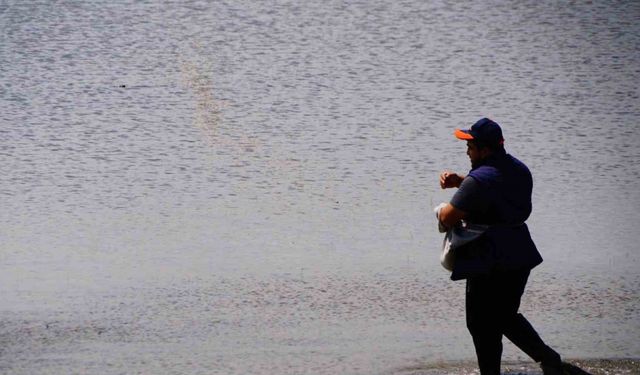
[564,369]
[570,369]
[552,369]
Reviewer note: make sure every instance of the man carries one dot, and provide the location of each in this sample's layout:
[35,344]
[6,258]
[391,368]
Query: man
[497,193]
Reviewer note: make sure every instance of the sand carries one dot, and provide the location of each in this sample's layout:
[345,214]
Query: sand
[592,366]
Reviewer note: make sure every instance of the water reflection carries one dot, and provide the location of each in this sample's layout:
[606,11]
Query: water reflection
[151,152]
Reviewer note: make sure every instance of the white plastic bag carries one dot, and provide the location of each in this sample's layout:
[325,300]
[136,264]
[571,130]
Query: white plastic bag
[455,237]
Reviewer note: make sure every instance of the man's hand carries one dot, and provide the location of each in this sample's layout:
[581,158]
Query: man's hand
[450,180]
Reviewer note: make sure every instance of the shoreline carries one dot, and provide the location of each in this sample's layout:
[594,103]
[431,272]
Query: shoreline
[385,324]
[601,366]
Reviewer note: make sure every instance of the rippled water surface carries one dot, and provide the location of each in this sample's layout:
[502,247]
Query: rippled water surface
[246,187]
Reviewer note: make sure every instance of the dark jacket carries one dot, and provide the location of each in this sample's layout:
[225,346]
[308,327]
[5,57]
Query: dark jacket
[507,244]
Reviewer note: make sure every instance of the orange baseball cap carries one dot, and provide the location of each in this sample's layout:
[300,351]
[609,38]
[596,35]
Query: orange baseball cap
[484,130]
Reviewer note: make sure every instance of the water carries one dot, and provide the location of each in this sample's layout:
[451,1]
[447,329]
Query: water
[246,187]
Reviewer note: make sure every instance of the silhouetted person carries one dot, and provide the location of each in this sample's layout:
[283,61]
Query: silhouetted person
[496,192]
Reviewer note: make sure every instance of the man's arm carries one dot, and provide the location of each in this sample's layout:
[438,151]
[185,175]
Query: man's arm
[450,216]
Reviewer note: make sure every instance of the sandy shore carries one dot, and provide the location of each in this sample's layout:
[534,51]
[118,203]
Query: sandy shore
[360,324]
[592,366]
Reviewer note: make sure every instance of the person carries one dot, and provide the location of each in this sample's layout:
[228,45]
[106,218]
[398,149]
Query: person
[497,193]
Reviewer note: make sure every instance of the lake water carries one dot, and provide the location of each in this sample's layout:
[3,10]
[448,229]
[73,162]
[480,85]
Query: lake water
[239,187]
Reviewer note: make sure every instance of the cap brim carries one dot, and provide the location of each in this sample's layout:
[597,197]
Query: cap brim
[463,134]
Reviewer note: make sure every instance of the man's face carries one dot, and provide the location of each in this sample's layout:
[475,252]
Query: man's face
[475,155]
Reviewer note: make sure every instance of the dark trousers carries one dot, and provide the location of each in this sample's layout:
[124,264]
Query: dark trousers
[492,304]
